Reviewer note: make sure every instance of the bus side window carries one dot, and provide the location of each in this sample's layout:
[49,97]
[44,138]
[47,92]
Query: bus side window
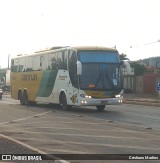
[29,64]
[73,68]
[53,61]
[12,65]
[64,59]
[59,60]
[41,62]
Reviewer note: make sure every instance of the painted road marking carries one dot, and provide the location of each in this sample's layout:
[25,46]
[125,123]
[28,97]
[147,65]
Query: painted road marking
[89,144]
[79,135]
[21,119]
[64,151]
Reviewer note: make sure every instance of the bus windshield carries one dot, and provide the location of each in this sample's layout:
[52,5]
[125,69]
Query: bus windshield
[101,70]
[98,56]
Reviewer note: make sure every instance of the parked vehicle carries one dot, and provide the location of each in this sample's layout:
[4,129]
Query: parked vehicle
[1,93]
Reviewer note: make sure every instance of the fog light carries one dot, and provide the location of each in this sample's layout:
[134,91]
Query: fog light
[84,102]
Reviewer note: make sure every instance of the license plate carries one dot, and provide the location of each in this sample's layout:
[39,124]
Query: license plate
[104,102]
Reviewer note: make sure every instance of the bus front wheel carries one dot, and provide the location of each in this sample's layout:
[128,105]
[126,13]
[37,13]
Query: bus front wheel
[100,107]
[63,101]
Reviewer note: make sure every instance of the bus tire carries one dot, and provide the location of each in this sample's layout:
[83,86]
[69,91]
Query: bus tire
[63,101]
[21,100]
[25,98]
[100,107]
[20,97]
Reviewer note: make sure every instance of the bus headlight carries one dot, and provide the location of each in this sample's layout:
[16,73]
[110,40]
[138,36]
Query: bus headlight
[120,94]
[117,96]
[85,96]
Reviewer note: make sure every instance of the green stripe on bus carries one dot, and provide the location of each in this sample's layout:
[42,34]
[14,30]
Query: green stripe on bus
[47,83]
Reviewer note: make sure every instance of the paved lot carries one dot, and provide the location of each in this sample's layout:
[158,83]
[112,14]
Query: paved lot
[12,150]
[83,131]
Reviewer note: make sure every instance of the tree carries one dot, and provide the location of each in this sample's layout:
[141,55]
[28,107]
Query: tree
[123,57]
[138,68]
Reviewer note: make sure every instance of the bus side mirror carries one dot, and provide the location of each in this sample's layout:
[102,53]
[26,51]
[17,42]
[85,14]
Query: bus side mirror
[79,68]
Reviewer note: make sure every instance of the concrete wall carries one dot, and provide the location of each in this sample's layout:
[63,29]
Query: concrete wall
[141,84]
[149,83]
[129,82]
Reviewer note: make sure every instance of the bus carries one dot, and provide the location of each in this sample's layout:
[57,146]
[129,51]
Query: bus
[68,76]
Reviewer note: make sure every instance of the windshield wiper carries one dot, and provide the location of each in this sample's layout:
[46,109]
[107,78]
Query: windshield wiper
[110,81]
[103,74]
[99,77]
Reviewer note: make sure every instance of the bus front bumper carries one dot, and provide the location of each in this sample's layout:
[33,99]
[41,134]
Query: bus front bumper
[102,101]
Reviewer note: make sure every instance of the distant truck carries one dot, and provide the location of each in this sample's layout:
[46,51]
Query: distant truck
[1,93]
[7,81]
[127,69]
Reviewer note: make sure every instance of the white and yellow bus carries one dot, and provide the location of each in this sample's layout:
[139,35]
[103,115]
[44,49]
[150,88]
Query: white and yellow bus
[69,76]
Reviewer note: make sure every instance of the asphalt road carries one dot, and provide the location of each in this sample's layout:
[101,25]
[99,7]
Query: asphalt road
[135,115]
[123,129]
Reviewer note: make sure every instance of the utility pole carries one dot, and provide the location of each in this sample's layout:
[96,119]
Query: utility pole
[8,60]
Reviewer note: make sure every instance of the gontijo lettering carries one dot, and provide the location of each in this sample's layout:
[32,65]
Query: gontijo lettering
[29,77]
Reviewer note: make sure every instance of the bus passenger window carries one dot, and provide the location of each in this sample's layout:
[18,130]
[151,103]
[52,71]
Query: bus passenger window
[53,64]
[64,59]
[41,62]
[59,60]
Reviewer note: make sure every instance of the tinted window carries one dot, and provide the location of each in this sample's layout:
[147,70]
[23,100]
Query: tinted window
[72,65]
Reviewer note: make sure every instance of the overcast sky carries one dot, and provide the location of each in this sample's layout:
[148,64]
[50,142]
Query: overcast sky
[30,25]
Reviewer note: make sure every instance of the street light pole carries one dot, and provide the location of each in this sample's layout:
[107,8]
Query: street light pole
[8,60]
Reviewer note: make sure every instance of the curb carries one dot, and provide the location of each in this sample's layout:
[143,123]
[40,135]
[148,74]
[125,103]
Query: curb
[139,102]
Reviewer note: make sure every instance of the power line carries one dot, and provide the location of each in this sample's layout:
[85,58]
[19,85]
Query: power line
[145,44]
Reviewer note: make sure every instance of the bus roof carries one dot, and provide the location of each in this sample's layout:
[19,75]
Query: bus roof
[77,48]
[93,48]
[57,48]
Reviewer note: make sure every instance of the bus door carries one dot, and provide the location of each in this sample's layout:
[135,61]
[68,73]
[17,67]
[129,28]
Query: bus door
[73,83]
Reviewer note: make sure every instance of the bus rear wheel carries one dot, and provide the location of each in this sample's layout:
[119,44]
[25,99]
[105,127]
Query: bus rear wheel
[63,102]
[25,98]
[20,97]
[100,107]
[21,100]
